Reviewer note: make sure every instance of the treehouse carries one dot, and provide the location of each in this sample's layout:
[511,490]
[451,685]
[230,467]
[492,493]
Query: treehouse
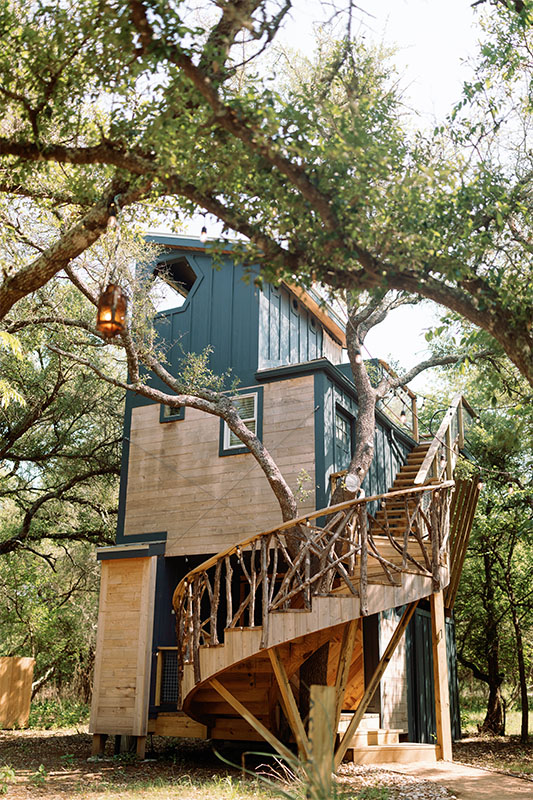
[214,617]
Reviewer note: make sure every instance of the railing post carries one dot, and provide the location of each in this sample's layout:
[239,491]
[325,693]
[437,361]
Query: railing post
[196,611]
[449,454]
[363,574]
[264,592]
[435,541]
[460,425]
[414,413]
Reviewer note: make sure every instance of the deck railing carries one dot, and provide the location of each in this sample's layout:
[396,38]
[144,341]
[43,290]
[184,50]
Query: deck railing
[441,457]
[284,568]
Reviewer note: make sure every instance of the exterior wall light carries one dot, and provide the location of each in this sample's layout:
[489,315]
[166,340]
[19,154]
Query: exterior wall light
[112,307]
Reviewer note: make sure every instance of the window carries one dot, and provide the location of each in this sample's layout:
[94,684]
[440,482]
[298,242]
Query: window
[171,413]
[249,406]
[173,281]
[343,440]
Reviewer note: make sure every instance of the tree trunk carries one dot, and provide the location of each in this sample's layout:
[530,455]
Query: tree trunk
[524,700]
[494,721]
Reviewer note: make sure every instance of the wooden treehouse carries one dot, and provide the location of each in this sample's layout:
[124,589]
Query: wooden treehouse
[212,614]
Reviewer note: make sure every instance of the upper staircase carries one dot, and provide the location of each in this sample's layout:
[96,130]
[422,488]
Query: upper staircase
[250,617]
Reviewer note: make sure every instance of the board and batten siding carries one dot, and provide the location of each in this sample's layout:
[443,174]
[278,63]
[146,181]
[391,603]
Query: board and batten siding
[289,333]
[123,647]
[178,483]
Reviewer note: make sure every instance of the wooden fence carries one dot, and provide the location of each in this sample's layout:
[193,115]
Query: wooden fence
[16,675]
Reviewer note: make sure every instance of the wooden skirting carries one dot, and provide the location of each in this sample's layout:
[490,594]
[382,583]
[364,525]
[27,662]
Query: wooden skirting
[178,724]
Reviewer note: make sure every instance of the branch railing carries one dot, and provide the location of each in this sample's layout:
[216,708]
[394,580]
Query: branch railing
[441,457]
[337,550]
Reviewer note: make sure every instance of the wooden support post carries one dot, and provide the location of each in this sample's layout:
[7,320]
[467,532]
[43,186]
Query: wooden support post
[140,747]
[440,674]
[374,682]
[252,720]
[322,733]
[98,744]
[343,668]
[289,704]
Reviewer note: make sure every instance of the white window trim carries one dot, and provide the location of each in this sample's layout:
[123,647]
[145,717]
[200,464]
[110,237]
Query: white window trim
[228,432]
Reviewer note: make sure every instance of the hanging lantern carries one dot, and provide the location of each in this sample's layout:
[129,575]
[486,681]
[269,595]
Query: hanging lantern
[111,317]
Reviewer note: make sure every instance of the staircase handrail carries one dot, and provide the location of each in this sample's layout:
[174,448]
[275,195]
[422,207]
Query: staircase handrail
[327,511]
[443,439]
[289,564]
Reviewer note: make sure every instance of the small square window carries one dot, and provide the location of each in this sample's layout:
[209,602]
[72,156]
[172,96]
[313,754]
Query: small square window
[249,406]
[171,413]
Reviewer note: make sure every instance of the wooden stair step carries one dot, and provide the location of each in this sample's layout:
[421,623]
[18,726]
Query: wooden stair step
[372,738]
[370,721]
[404,752]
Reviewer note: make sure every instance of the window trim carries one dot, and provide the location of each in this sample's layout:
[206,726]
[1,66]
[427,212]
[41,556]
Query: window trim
[350,419]
[179,413]
[225,449]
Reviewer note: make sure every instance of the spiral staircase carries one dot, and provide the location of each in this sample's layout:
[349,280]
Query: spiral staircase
[251,619]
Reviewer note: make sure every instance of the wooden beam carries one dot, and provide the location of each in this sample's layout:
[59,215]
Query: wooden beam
[374,682]
[440,675]
[289,703]
[349,636]
[252,720]
[322,733]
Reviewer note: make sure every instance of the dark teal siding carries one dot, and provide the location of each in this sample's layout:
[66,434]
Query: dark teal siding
[420,684]
[288,334]
[391,447]
[221,311]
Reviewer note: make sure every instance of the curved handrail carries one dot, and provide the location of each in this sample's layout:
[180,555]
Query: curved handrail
[284,567]
[323,512]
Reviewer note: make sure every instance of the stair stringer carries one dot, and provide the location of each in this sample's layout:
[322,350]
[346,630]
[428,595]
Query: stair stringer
[241,644]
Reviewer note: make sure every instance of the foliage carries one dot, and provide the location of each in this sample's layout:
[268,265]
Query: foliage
[319,175]
[59,464]
[494,610]
[59,712]
[7,775]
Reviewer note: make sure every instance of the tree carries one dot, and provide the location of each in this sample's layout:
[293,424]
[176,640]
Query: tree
[135,101]
[59,467]
[494,611]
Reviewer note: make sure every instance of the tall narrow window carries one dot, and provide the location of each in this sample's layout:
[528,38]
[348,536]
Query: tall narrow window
[249,404]
[343,440]
[247,407]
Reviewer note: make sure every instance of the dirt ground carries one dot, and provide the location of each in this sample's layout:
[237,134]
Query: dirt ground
[55,765]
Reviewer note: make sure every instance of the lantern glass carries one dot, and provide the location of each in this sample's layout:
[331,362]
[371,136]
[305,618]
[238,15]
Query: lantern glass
[112,307]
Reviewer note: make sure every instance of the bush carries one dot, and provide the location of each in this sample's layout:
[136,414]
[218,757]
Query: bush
[57,713]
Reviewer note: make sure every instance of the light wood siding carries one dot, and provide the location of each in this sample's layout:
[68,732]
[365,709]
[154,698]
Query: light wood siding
[123,647]
[394,682]
[16,675]
[178,483]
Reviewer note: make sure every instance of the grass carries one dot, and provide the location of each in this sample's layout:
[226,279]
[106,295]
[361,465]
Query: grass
[470,719]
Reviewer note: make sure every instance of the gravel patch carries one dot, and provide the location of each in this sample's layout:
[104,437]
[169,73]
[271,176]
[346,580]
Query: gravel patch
[401,787]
